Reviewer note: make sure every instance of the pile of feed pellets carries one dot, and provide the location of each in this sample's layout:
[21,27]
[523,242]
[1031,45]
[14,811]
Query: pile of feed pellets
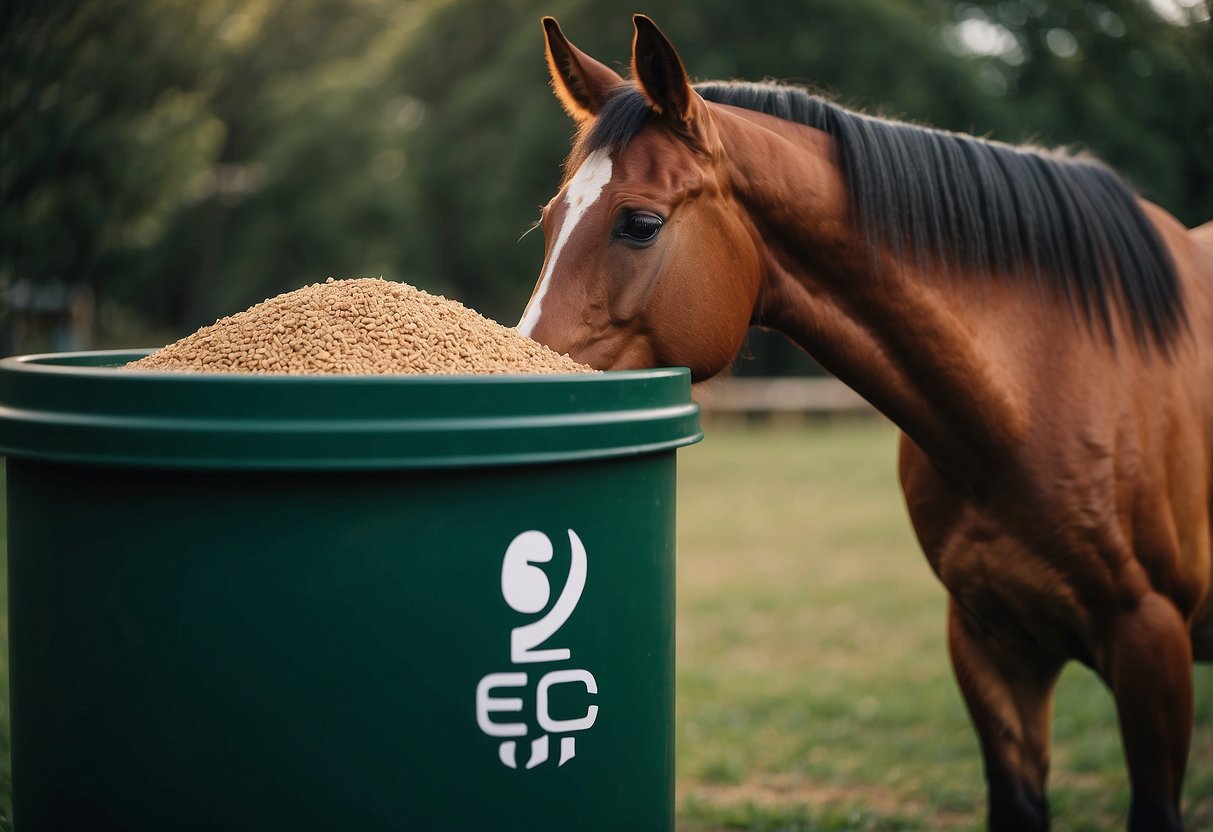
[365,326]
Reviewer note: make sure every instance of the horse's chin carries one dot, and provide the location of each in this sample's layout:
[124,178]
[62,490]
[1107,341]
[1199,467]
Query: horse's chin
[639,354]
[634,353]
[628,351]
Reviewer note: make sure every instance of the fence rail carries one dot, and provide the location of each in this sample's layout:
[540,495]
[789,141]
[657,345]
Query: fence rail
[770,396]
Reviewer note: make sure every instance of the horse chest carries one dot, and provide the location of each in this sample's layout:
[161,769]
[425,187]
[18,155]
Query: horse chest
[1035,567]
[1009,587]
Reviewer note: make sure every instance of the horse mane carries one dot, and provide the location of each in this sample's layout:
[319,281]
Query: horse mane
[1066,222]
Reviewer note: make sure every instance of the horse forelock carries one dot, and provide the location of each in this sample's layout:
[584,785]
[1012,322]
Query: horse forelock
[1060,221]
[623,115]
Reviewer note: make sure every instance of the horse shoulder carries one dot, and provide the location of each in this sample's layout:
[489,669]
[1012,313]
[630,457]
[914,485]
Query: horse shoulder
[1106,500]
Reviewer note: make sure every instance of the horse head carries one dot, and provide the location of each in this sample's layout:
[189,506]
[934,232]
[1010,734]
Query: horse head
[648,260]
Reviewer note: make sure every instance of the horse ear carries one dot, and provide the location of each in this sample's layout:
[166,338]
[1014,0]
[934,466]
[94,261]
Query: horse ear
[661,74]
[581,83]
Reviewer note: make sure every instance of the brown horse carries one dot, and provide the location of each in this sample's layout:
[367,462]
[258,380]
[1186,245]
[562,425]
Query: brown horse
[1043,338]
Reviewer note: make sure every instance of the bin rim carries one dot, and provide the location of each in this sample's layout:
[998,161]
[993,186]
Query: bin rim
[84,407]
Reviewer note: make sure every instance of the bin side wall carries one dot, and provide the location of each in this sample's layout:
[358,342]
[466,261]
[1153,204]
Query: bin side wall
[260,650]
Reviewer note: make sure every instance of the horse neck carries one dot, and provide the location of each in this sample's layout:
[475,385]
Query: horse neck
[902,339]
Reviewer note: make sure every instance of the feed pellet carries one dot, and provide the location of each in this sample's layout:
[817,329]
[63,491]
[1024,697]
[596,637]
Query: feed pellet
[358,327]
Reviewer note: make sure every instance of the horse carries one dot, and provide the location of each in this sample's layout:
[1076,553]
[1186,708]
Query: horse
[1041,336]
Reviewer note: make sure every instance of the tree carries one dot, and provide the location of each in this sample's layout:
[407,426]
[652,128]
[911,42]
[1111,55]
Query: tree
[306,184]
[105,130]
[1113,77]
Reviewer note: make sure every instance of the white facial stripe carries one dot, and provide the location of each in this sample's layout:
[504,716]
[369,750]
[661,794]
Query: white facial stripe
[583,191]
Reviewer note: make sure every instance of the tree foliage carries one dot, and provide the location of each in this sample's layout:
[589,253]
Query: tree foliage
[186,158]
[105,130]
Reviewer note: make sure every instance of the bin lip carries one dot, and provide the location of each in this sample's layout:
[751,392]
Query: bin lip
[84,407]
[105,362]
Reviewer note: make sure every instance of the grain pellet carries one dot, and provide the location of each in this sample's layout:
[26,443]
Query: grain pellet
[366,326]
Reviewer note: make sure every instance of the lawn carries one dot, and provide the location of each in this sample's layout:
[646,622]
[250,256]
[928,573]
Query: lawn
[814,691]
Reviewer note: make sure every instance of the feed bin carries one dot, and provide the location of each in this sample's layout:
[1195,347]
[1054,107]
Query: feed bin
[340,602]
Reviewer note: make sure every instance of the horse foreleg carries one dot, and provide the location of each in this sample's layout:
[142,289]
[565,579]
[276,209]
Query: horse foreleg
[1149,668]
[1009,693]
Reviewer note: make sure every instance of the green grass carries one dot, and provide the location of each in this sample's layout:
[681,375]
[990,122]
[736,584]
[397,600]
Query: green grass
[814,690]
[814,693]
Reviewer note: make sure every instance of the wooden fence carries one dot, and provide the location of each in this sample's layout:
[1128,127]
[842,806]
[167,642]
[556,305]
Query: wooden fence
[760,397]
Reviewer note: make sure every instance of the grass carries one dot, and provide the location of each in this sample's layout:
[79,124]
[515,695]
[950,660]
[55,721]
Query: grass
[814,693]
[814,690]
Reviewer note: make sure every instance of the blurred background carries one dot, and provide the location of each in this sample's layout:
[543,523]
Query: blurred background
[167,162]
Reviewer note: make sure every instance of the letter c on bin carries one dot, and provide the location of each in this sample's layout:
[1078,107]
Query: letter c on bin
[556,677]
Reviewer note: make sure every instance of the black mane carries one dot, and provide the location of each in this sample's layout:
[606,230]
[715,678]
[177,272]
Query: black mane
[1062,221]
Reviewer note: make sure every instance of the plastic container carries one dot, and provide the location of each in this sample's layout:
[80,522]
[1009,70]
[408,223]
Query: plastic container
[361,602]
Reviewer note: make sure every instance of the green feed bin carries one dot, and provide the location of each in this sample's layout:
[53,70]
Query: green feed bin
[356,603]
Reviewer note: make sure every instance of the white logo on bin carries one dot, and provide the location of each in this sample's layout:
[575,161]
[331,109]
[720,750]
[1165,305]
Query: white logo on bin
[527,590]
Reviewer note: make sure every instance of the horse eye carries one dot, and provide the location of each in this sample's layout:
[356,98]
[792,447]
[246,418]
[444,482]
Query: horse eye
[640,227]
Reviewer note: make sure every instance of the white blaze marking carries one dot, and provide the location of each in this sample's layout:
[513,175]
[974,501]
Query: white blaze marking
[584,190]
